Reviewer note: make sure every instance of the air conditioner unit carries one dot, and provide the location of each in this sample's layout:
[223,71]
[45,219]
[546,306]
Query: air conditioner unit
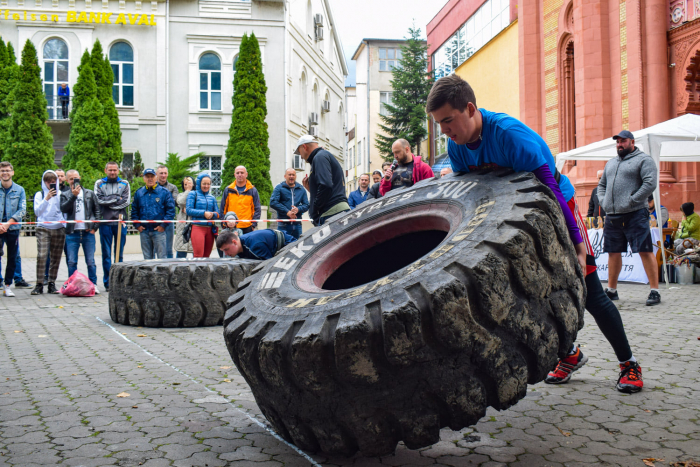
[297,162]
[318,20]
[313,119]
[313,131]
[319,33]
[326,106]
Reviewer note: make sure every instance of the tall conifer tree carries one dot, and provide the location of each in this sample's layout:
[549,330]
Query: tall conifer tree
[248,135]
[77,91]
[104,78]
[29,144]
[8,78]
[411,82]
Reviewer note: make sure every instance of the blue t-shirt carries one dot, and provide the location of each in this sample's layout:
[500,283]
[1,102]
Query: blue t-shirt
[507,142]
[4,212]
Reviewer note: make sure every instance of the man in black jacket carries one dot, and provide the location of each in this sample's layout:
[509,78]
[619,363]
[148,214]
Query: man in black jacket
[594,209]
[326,185]
[374,190]
[80,204]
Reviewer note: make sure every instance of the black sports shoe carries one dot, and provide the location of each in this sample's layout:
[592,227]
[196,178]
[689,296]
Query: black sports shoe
[38,290]
[611,295]
[654,298]
[52,288]
[22,284]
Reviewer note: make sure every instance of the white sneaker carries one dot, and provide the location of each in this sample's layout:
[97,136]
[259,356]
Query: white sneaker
[97,291]
[8,292]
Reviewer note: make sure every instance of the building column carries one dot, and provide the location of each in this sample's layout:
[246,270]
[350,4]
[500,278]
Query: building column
[531,59]
[656,88]
[666,172]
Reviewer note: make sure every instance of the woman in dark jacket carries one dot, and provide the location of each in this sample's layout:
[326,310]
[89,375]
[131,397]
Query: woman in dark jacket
[202,206]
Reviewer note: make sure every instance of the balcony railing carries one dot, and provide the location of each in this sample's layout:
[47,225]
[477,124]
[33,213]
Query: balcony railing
[59,107]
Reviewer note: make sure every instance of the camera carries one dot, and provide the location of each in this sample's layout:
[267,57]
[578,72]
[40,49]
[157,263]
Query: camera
[76,182]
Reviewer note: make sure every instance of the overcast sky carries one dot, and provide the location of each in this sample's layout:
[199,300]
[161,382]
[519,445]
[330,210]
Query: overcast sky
[385,19]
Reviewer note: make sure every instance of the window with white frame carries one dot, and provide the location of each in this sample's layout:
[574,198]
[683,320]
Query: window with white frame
[358,160]
[212,166]
[121,58]
[389,59]
[384,99]
[209,82]
[297,162]
[488,21]
[55,59]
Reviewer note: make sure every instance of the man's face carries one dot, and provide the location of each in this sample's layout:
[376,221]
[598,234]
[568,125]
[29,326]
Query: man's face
[50,182]
[71,178]
[241,175]
[162,175]
[6,174]
[150,180]
[376,178]
[624,146]
[112,171]
[305,150]
[651,205]
[61,176]
[232,248]
[364,182]
[460,127]
[401,153]
[291,177]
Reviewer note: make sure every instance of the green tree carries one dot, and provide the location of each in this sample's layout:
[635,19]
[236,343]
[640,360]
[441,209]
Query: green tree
[30,144]
[11,57]
[87,147]
[134,175]
[178,168]
[78,94]
[248,135]
[411,82]
[104,78]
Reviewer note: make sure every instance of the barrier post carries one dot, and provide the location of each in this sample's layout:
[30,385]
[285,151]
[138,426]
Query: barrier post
[119,238]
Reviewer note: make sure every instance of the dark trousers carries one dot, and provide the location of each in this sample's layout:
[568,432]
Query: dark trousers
[108,236]
[49,244]
[11,238]
[292,228]
[607,317]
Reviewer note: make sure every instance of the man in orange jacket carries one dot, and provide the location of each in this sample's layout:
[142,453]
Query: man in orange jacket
[242,198]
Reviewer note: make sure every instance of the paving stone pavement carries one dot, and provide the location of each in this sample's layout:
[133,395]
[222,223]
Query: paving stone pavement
[64,367]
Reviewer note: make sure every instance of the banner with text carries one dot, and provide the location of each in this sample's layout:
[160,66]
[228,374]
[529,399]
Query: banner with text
[632,267]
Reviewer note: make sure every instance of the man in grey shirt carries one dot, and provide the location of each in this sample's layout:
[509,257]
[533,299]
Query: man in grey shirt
[627,182]
[169,228]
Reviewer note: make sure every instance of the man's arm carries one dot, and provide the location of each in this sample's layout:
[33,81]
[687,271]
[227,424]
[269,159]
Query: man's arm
[21,208]
[124,197]
[67,202]
[648,174]
[602,185]
[169,209]
[591,205]
[424,172]
[275,201]
[256,206]
[223,208]
[136,209]
[384,186]
[324,182]
[303,204]
[351,201]
[664,216]
[40,203]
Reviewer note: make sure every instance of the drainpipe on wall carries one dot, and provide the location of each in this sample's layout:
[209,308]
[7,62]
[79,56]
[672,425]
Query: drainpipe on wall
[369,138]
[287,154]
[167,78]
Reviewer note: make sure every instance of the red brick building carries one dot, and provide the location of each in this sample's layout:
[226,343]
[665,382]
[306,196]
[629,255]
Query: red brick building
[589,69]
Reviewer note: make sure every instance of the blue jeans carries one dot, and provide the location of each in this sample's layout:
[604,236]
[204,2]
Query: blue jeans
[292,228]
[73,243]
[108,233]
[181,254]
[11,237]
[18,267]
[323,220]
[153,243]
[169,235]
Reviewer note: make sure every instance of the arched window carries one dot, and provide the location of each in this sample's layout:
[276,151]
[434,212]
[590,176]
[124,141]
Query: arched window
[209,82]
[315,109]
[121,57]
[55,73]
[304,99]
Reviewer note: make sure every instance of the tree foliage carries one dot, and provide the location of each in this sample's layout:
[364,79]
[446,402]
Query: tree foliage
[411,82]
[179,168]
[134,175]
[78,93]
[8,78]
[248,135]
[29,142]
[104,78]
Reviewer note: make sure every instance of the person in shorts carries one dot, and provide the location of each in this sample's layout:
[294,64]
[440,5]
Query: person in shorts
[623,190]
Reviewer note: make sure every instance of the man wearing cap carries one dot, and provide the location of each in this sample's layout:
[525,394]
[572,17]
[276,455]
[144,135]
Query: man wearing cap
[152,202]
[326,184]
[627,182]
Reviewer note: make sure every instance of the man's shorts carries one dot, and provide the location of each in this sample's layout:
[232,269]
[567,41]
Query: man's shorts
[632,228]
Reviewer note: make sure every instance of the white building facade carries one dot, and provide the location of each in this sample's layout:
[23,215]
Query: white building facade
[174,64]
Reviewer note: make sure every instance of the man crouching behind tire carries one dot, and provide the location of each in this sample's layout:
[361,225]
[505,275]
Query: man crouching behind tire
[481,138]
[259,244]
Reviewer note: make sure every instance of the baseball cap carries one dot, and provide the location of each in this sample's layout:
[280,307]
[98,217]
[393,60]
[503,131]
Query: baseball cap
[624,134]
[306,139]
[149,172]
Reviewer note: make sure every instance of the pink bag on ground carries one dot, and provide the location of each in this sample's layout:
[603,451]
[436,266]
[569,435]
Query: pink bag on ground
[78,285]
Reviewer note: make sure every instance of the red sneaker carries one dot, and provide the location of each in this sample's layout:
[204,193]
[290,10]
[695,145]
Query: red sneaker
[630,380]
[566,366]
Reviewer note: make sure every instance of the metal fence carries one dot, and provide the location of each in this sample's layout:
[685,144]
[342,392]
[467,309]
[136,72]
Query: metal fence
[59,107]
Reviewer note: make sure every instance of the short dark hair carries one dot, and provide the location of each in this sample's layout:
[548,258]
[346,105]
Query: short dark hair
[451,90]
[183,182]
[377,172]
[687,208]
[225,237]
[385,164]
[110,163]
[4,164]
[50,177]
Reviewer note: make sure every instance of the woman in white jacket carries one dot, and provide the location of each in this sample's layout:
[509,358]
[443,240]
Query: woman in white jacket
[49,237]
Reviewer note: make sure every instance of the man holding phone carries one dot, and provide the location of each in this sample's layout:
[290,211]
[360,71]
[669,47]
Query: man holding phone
[80,204]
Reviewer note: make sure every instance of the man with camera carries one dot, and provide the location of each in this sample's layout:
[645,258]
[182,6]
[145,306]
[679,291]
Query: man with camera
[80,204]
[406,170]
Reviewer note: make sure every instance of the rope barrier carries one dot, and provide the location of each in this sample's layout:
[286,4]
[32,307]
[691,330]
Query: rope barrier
[189,221]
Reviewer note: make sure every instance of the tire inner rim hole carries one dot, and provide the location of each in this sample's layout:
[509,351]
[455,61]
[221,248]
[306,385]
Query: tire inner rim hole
[384,258]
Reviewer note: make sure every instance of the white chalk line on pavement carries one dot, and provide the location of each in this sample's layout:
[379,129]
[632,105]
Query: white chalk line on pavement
[253,419]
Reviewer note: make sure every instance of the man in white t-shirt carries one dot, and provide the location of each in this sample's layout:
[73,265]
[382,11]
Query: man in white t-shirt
[80,204]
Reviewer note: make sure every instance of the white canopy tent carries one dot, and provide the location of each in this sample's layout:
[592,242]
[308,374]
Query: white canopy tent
[675,140]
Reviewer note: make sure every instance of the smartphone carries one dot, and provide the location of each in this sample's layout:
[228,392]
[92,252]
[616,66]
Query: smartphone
[76,182]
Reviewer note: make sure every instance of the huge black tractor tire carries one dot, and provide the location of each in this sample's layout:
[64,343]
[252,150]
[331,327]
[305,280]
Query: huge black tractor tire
[410,313]
[174,293]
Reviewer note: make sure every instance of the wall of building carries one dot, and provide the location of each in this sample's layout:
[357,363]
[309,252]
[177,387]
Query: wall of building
[493,73]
